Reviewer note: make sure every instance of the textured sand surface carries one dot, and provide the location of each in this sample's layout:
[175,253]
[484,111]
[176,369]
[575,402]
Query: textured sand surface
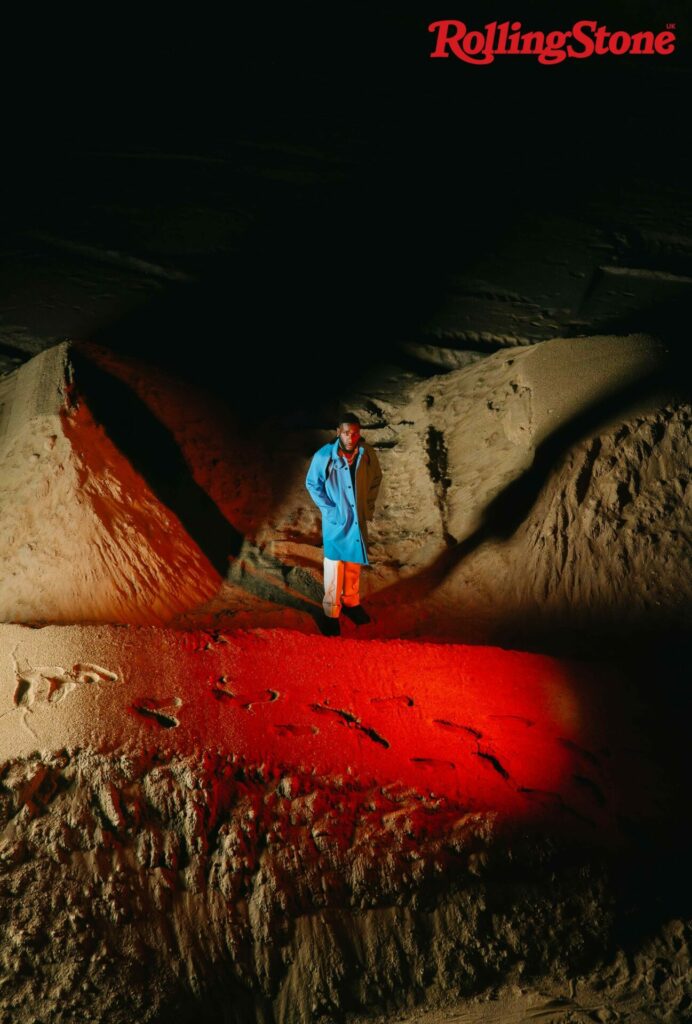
[520,735]
[203,822]
[210,813]
[540,492]
[221,824]
[83,537]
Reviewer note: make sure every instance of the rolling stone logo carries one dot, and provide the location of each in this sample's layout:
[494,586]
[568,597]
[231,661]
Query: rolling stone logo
[584,39]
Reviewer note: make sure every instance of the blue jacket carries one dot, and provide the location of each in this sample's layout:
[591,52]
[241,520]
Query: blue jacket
[344,514]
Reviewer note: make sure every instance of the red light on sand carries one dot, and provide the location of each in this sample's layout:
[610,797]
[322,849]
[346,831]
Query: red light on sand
[491,730]
[502,733]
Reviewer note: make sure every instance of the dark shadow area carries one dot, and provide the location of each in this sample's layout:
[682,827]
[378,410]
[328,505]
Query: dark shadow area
[652,885]
[272,580]
[153,451]
[415,169]
[510,508]
[326,282]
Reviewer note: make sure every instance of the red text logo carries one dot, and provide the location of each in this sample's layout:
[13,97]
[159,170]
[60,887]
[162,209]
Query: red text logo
[584,39]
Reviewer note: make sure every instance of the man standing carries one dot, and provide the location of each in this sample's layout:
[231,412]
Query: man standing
[343,481]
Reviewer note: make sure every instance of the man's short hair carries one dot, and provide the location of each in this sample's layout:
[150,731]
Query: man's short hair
[349,417]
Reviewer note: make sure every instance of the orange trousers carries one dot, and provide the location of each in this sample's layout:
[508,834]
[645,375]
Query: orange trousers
[341,586]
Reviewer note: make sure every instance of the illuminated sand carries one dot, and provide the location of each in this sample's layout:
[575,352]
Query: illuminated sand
[537,499]
[83,536]
[287,826]
[266,825]
[503,733]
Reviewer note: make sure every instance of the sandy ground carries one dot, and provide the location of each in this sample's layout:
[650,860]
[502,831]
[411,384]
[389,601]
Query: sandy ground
[536,498]
[523,736]
[450,824]
[144,879]
[196,820]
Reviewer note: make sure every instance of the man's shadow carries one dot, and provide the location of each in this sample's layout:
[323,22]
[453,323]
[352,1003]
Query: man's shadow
[511,506]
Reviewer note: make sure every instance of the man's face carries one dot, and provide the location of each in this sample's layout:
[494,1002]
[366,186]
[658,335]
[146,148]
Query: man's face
[349,436]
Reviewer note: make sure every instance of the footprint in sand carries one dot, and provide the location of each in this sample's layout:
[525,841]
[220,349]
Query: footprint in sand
[51,684]
[159,711]
[222,690]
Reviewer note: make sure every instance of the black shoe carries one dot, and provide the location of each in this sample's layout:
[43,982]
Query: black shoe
[328,626]
[357,614]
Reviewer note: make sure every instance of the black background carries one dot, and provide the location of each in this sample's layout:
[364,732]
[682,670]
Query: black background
[436,160]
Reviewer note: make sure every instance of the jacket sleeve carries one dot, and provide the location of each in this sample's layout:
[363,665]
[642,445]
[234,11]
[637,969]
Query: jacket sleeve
[315,482]
[375,479]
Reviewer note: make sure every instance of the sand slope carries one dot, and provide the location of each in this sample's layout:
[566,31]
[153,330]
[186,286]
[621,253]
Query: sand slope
[82,536]
[529,496]
[274,826]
